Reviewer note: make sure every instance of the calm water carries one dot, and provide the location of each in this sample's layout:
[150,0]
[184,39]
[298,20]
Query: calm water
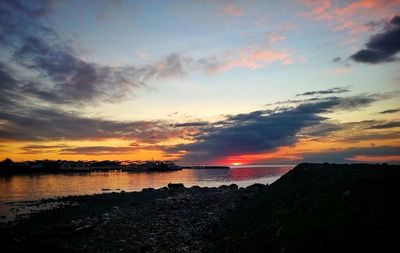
[38,186]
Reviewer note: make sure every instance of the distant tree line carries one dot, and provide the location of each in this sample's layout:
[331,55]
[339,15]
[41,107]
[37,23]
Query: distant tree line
[8,166]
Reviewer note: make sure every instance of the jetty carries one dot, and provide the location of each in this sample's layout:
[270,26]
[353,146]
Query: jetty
[200,167]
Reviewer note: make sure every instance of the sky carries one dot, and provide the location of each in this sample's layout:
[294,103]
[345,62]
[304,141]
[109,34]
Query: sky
[200,82]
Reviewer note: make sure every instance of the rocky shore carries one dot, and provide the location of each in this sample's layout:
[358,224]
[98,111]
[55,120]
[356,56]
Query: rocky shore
[317,207]
[170,219]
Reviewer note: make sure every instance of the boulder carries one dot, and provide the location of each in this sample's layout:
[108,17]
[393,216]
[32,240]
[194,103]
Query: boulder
[175,186]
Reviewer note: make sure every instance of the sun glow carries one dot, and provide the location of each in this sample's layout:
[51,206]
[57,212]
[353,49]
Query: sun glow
[236,164]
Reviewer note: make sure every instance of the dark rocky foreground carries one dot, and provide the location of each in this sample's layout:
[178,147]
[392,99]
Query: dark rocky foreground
[313,208]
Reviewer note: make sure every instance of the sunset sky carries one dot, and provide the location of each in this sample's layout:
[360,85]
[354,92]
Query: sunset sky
[201,82]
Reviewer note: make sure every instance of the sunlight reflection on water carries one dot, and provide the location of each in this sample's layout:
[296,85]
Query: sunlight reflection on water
[39,186]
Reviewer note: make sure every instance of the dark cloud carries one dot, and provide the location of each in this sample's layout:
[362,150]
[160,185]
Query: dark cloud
[192,124]
[86,150]
[38,124]
[266,130]
[390,111]
[322,129]
[295,101]
[386,125]
[65,78]
[254,132]
[372,136]
[19,17]
[381,47]
[57,73]
[35,146]
[98,150]
[39,149]
[334,90]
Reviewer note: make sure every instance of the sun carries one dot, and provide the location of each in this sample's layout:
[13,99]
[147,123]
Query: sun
[236,163]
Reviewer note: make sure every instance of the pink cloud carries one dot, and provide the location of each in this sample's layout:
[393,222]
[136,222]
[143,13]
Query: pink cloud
[273,37]
[320,9]
[378,7]
[352,27]
[252,58]
[261,22]
[302,59]
[230,10]
[351,17]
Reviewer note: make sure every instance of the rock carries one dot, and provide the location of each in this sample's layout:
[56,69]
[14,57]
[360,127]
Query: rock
[175,186]
[255,187]
[224,187]
[234,186]
[123,192]
[148,189]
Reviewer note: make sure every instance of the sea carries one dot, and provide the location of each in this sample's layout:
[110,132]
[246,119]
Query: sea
[33,187]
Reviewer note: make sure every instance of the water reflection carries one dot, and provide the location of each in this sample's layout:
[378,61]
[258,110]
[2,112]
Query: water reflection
[37,186]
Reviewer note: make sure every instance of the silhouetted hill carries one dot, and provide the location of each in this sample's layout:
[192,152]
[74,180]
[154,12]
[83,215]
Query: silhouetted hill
[320,208]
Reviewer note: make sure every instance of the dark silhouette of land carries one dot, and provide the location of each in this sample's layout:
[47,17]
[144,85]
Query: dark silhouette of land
[313,208]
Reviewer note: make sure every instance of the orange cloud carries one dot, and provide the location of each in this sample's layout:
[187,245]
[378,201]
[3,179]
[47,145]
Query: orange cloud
[375,159]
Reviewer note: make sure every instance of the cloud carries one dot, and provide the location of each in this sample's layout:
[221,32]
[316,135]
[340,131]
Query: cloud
[390,111]
[40,124]
[98,150]
[69,79]
[58,74]
[381,47]
[349,154]
[339,71]
[387,125]
[334,90]
[53,72]
[319,9]
[192,124]
[18,18]
[230,9]
[321,130]
[353,17]
[40,149]
[56,71]
[273,37]
[263,130]
[246,133]
[251,57]
[373,136]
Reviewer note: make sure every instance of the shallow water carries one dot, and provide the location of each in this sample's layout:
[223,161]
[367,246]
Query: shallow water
[38,186]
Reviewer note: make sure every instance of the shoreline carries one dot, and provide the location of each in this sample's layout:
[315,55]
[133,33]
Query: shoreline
[319,206]
[181,216]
